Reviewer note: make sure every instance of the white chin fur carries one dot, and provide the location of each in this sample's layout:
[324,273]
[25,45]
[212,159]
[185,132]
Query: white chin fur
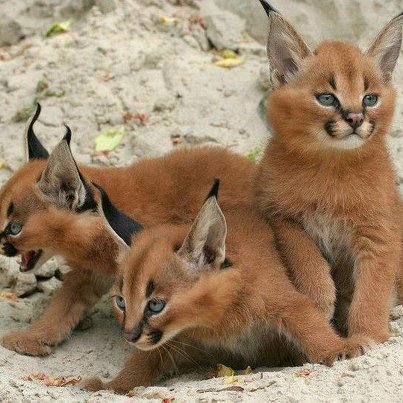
[347,143]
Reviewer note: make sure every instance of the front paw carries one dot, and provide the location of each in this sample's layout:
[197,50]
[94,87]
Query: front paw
[23,342]
[351,347]
[92,384]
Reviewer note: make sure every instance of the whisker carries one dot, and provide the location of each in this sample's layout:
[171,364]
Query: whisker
[172,359]
[185,355]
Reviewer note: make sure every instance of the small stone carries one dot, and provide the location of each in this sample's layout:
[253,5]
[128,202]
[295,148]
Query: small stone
[48,287]
[47,270]
[9,269]
[165,103]
[224,30]
[265,76]
[25,284]
[10,31]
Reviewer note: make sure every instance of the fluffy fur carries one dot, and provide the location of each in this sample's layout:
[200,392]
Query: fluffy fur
[60,213]
[237,308]
[327,182]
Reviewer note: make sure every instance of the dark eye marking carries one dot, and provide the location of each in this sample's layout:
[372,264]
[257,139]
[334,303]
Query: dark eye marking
[10,209]
[150,288]
[366,84]
[332,82]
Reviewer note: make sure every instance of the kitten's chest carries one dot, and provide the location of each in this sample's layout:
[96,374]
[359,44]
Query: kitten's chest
[331,235]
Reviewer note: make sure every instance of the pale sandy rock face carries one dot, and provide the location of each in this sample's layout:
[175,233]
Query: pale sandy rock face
[120,57]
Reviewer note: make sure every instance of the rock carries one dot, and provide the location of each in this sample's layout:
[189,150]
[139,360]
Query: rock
[9,269]
[224,29]
[48,287]
[10,31]
[106,6]
[47,270]
[200,35]
[265,76]
[25,284]
[164,103]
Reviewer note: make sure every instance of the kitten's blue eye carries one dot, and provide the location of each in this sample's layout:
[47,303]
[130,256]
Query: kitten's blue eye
[327,99]
[120,302]
[156,306]
[14,228]
[370,100]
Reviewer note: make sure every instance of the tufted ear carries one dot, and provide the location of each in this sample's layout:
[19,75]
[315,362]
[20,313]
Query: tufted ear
[61,181]
[285,47]
[33,147]
[386,47]
[204,245]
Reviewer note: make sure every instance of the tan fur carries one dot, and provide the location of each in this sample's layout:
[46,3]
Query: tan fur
[156,190]
[238,315]
[333,199]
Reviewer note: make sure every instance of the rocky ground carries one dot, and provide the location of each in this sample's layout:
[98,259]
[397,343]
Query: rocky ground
[150,66]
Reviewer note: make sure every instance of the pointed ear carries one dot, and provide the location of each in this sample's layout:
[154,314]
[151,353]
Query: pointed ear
[285,47]
[61,181]
[33,147]
[386,47]
[204,246]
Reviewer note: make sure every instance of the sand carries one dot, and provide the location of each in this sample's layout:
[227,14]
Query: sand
[118,58]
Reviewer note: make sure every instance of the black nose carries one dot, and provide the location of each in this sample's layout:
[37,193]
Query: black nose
[134,334]
[355,119]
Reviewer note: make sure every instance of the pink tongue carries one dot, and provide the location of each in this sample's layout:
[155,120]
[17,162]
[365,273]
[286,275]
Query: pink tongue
[26,257]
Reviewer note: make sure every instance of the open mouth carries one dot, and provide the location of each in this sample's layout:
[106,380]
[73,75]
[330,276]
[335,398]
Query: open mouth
[29,259]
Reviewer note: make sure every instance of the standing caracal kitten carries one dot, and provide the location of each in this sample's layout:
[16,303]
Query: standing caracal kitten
[326,180]
[190,296]
[50,206]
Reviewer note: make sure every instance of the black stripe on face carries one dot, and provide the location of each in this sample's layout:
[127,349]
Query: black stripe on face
[329,126]
[9,250]
[332,82]
[10,209]
[150,288]
[366,84]
[155,336]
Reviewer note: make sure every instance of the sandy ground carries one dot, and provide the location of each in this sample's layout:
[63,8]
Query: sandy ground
[120,59]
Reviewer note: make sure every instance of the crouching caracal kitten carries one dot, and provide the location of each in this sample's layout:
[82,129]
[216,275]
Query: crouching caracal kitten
[326,180]
[50,206]
[215,291]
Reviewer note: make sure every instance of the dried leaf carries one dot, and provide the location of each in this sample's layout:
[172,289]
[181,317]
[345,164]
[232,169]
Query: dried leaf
[58,28]
[164,19]
[168,399]
[10,296]
[303,373]
[228,54]
[254,154]
[246,371]
[233,389]
[50,381]
[229,63]
[222,370]
[230,379]
[109,140]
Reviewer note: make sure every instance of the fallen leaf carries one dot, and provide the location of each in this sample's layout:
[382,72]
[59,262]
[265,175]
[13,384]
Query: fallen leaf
[58,28]
[228,54]
[233,389]
[254,154]
[164,19]
[222,370]
[246,371]
[50,381]
[10,296]
[197,19]
[303,373]
[229,63]
[230,379]
[168,399]
[109,139]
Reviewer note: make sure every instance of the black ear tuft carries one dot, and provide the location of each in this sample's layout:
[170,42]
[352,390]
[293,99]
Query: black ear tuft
[67,136]
[214,189]
[35,149]
[123,225]
[267,7]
